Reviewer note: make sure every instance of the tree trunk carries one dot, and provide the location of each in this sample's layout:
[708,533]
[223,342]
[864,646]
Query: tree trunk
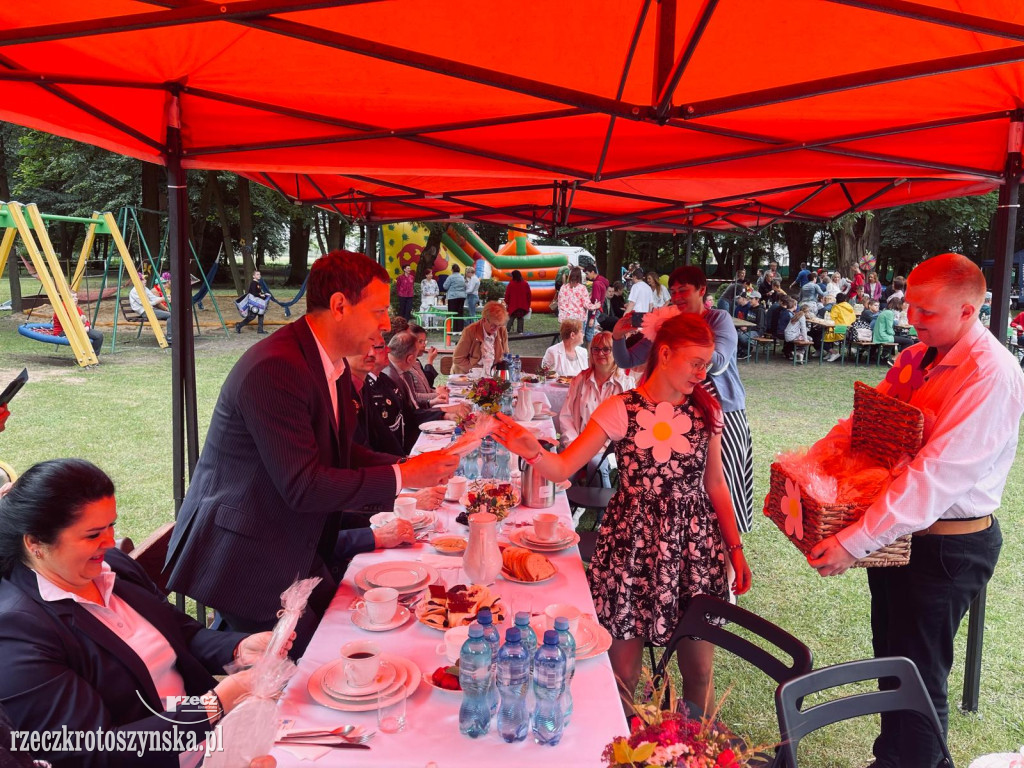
[149,220]
[858,232]
[241,281]
[199,226]
[335,232]
[362,237]
[13,267]
[617,252]
[601,254]
[799,243]
[245,225]
[711,248]
[318,229]
[430,250]
[298,246]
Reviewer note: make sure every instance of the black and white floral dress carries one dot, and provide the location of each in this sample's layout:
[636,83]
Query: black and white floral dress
[660,541]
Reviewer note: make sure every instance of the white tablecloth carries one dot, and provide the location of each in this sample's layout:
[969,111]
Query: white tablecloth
[432,733]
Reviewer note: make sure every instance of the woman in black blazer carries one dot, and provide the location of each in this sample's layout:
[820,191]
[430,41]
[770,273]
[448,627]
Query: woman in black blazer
[88,641]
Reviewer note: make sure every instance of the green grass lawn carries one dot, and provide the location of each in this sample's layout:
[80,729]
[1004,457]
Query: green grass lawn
[118,415]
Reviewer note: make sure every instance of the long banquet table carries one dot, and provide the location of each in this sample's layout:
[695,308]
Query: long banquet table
[432,733]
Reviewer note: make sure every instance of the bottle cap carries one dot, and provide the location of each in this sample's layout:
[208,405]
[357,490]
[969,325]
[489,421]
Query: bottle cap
[484,616]
[522,619]
[475,630]
[513,635]
[550,637]
[561,624]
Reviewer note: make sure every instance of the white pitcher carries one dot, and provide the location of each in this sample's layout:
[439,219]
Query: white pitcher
[482,561]
[524,406]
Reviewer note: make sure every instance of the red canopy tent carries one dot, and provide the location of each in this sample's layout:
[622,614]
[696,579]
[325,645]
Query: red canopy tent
[675,114]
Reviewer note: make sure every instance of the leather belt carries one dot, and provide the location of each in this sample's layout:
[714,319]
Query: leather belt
[956,527]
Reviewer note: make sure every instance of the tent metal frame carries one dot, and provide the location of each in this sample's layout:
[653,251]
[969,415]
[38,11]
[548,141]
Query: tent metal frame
[567,209]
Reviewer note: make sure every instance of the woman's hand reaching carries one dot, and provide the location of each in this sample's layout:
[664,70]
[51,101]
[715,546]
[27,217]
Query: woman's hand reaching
[514,437]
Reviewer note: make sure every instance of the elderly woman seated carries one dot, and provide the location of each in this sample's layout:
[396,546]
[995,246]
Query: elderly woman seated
[567,357]
[88,641]
[484,341]
[592,387]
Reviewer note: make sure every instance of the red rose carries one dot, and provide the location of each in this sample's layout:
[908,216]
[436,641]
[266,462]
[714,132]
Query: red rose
[727,759]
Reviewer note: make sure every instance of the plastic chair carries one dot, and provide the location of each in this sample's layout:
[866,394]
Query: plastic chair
[909,696]
[695,623]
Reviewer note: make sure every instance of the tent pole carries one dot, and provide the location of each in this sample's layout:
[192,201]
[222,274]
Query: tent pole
[183,396]
[1006,226]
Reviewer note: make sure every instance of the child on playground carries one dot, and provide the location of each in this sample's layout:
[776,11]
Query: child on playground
[669,531]
[96,337]
[257,305]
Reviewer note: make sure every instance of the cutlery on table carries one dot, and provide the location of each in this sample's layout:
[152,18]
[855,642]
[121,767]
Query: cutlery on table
[316,743]
[341,730]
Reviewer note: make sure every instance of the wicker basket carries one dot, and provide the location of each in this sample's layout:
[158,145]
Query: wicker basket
[883,427]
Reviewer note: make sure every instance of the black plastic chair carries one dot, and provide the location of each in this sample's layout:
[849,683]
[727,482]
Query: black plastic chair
[909,696]
[696,623]
[589,496]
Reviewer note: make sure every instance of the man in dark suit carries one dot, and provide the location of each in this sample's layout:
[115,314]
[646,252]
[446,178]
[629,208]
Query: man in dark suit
[278,467]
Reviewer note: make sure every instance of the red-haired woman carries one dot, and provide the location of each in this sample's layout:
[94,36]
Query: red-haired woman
[670,527]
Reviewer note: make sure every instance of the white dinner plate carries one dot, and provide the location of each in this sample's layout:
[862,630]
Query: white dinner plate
[360,619]
[413,677]
[440,427]
[563,537]
[362,583]
[335,683]
[401,574]
[422,519]
[509,577]
[591,638]
[516,537]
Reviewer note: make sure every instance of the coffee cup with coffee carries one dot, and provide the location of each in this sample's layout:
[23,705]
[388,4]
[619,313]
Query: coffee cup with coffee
[361,662]
[545,526]
[379,605]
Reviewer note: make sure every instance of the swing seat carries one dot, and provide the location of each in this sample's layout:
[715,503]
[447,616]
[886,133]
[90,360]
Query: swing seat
[42,332]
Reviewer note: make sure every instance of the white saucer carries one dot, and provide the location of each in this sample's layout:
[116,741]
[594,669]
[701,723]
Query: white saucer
[360,619]
[335,683]
[440,427]
[399,574]
[565,535]
[413,676]
[516,537]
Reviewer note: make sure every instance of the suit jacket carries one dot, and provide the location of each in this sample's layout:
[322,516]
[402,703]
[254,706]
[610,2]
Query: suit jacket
[265,501]
[62,666]
[470,348]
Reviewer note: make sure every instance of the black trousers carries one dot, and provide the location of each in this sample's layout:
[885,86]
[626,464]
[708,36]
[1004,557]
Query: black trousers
[319,599]
[248,319]
[456,305]
[916,611]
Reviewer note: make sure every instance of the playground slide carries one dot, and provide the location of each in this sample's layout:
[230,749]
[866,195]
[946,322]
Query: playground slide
[539,269]
[403,243]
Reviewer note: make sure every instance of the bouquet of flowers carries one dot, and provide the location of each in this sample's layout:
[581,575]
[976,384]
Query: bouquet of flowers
[497,498]
[487,393]
[666,738]
[467,422]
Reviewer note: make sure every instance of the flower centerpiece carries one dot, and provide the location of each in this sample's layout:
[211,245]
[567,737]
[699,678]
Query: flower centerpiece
[487,393]
[497,498]
[667,738]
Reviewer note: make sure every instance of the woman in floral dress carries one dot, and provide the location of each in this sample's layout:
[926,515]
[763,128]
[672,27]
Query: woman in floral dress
[669,529]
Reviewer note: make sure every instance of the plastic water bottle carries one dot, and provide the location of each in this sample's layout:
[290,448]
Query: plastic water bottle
[567,643]
[529,637]
[517,369]
[455,438]
[548,681]
[475,679]
[513,683]
[488,452]
[469,465]
[502,469]
[493,638]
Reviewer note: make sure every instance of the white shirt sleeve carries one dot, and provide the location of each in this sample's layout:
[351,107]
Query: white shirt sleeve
[612,418]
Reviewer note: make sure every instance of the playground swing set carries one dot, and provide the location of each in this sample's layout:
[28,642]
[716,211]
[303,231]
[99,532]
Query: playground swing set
[24,220]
